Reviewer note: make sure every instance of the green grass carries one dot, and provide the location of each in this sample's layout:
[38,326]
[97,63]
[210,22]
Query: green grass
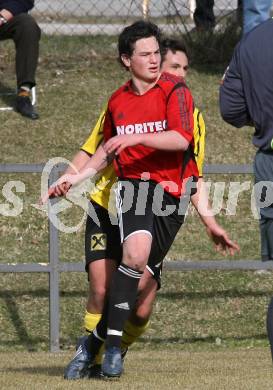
[244,369]
[194,309]
[192,312]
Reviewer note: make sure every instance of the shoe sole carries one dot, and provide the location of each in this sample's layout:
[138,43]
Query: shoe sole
[110,377]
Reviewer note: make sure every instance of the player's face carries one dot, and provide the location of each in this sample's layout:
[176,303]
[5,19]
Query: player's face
[175,63]
[144,63]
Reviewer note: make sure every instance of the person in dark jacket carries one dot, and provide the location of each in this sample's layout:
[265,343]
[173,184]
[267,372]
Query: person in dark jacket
[246,98]
[18,25]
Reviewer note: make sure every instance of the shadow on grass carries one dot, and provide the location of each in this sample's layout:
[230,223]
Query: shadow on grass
[207,339]
[33,344]
[229,293]
[152,341]
[18,324]
[50,371]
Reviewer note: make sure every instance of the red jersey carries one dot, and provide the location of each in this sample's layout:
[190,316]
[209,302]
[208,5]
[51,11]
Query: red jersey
[166,106]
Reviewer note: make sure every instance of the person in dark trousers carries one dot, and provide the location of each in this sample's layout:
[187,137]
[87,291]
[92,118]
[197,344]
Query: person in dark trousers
[246,98]
[203,16]
[18,25]
[252,13]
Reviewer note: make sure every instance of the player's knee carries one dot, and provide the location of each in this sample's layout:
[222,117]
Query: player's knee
[135,259]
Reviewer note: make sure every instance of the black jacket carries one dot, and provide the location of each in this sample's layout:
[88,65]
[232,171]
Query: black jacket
[16,6]
[246,96]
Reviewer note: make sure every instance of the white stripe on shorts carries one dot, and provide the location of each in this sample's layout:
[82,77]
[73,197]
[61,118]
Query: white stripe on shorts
[119,210]
[138,231]
[113,332]
[150,269]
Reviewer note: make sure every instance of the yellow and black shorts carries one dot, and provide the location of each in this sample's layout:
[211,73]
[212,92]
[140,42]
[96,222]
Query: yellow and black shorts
[101,241]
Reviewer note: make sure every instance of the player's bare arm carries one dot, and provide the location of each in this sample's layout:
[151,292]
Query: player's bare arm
[219,236]
[79,161]
[170,140]
[94,165]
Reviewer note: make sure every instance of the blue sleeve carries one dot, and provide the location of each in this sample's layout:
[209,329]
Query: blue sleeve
[233,105]
[17,6]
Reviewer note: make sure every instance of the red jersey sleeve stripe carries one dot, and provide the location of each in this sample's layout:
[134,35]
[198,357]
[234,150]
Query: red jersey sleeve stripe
[185,115]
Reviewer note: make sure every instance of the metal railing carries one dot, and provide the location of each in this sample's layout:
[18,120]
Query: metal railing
[53,267]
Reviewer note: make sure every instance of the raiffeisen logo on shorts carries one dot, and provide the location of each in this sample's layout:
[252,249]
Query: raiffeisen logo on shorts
[141,128]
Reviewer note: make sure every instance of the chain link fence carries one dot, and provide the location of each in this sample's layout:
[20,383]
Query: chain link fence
[109,16]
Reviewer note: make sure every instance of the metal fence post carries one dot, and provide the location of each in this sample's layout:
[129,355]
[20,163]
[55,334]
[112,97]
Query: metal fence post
[192,6]
[54,301]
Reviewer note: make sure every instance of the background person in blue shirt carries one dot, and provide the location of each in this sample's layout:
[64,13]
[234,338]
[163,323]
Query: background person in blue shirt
[254,13]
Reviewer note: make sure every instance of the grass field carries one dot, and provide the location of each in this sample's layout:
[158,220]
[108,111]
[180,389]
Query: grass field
[243,369]
[211,315]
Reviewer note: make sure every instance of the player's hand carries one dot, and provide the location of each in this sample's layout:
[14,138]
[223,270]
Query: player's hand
[60,188]
[119,142]
[223,244]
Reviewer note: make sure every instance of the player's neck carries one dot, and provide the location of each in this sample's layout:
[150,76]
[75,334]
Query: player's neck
[140,87]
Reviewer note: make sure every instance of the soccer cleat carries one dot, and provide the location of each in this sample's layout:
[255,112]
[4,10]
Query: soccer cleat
[112,365]
[95,372]
[80,341]
[24,107]
[81,362]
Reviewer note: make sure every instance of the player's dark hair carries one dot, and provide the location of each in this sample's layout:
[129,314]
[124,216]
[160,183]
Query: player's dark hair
[174,45]
[134,32]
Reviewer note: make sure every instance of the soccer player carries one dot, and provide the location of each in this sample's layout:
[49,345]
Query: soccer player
[144,304]
[147,128]
[175,60]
